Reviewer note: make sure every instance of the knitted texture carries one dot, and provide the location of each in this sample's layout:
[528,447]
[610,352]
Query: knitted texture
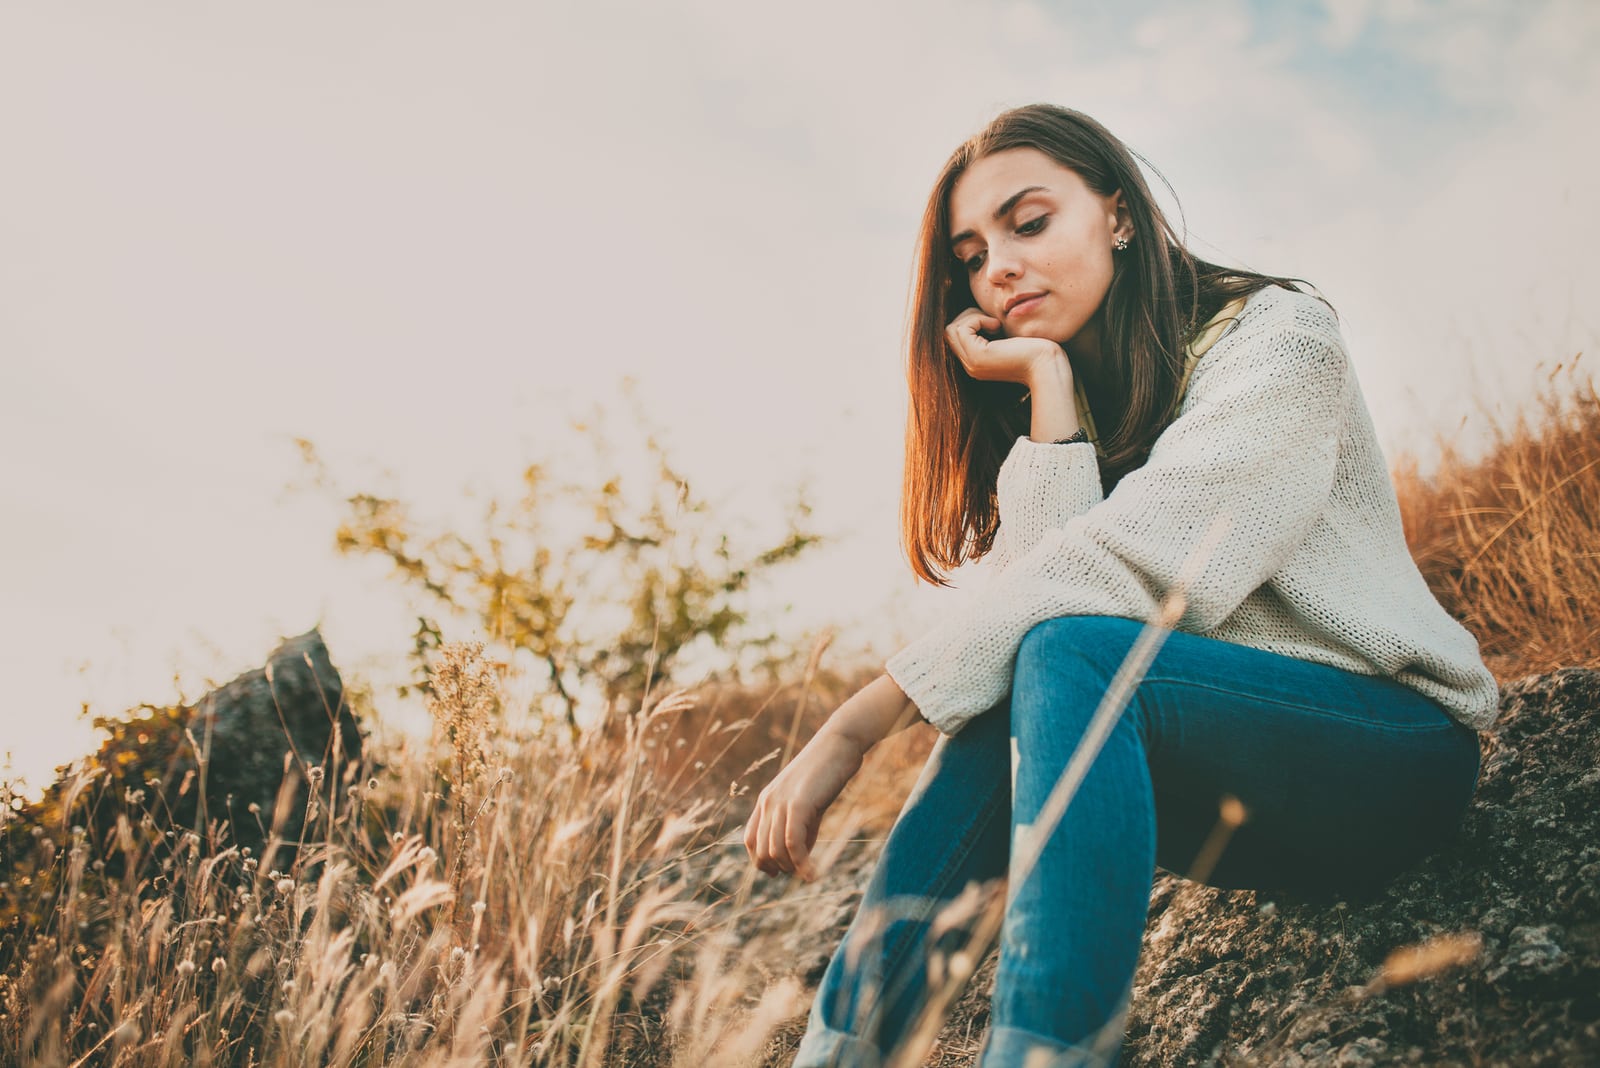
[1266,504]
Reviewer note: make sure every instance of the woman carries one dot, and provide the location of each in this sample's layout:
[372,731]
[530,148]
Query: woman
[1142,436]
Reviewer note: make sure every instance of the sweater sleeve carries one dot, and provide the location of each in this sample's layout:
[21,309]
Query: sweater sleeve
[1252,455]
[1039,488]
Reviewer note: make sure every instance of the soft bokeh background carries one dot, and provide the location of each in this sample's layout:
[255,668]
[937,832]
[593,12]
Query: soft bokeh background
[425,236]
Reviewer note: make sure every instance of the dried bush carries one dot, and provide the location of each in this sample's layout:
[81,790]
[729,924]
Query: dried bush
[1509,541]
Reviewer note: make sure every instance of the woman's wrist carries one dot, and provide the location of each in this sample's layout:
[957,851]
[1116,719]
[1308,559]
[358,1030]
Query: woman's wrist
[874,712]
[1054,405]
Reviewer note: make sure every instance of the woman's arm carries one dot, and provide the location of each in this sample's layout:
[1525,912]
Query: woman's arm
[878,709]
[1042,485]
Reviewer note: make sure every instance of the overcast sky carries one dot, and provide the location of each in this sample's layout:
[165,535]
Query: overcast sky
[424,235]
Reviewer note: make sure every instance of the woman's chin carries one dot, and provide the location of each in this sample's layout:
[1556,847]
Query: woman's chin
[1059,332]
[1032,330]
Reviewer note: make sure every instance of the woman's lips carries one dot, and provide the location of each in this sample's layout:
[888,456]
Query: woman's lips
[1023,307]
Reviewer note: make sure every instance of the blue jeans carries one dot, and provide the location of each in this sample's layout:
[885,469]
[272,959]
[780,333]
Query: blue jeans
[1346,780]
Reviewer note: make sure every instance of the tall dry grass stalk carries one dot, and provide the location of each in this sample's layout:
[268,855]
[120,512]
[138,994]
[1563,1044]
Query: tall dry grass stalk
[1509,541]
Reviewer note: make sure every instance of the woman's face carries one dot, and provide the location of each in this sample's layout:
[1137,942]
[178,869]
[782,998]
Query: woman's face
[1034,243]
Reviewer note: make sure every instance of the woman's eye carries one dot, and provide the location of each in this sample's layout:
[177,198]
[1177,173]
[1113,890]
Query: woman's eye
[1029,228]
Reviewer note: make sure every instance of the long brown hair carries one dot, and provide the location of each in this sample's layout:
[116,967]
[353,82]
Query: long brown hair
[959,429]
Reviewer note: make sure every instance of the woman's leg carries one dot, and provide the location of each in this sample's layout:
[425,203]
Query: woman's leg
[1346,779]
[951,832]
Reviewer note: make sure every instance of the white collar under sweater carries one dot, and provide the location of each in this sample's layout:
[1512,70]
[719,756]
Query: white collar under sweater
[1273,434]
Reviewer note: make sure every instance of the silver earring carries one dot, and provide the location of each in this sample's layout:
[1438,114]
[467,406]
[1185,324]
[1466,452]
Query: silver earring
[1121,244]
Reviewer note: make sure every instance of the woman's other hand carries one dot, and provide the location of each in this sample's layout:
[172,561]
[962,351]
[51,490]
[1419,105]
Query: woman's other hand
[783,827]
[1011,359]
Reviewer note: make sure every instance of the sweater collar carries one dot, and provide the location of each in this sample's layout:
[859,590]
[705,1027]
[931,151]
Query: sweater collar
[1203,339]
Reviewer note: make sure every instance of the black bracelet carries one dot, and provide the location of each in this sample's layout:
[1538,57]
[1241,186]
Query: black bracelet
[1080,436]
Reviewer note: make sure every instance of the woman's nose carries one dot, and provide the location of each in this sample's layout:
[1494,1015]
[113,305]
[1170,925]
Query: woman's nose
[1001,266]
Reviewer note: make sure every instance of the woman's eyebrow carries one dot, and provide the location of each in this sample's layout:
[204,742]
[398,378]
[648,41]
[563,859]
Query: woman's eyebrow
[1000,212]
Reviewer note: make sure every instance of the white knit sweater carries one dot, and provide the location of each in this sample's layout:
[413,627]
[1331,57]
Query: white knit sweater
[1311,562]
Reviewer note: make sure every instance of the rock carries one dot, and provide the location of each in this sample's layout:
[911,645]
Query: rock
[1533,951]
[1520,876]
[170,778]
[191,768]
[271,725]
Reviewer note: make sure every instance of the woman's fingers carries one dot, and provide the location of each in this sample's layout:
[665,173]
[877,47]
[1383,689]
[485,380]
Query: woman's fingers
[799,832]
[974,320]
[779,839]
[776,838]
[1003,359]
[753,839]
[795,835]
[964,337]
[758,836]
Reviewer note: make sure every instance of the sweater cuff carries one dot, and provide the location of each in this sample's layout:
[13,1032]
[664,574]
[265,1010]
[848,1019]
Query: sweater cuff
[914,670]
[1042,485]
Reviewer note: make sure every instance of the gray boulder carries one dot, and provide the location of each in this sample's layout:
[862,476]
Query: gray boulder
[241,760]
[275,727]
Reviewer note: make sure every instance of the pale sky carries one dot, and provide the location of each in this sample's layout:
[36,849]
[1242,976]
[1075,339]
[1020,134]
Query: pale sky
[423,236]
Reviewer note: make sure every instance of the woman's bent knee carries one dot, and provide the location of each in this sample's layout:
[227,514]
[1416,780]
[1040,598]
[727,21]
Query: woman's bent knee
[1099,641]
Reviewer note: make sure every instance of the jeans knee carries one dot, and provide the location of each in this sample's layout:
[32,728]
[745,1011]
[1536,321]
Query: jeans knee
[1095,644]
[1064,668]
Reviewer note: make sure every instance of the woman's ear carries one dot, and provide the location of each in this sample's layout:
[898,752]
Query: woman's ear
[1121,218]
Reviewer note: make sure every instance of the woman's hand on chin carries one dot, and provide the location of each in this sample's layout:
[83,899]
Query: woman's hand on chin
[1009,359]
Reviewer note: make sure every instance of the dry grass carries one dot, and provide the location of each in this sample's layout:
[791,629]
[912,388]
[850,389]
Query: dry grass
[502,899]
[1510,542]
[490,899]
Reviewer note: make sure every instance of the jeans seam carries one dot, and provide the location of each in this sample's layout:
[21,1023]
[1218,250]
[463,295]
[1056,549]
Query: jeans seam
[1300,706]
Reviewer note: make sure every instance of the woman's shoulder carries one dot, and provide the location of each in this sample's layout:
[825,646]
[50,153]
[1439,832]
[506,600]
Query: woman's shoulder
[1278,333]
[1275,308]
